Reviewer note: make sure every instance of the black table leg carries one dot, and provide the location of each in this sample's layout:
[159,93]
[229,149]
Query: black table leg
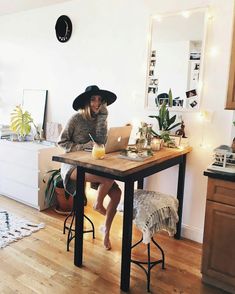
[79,213]
[180,194]
[140,184]
[127,235]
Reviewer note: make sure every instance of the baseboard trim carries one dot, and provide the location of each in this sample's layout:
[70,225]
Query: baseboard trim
[192,233]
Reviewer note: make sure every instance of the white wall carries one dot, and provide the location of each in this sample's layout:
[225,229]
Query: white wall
[109,48]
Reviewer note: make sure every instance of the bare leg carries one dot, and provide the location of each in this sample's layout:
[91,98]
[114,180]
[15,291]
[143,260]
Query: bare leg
[104,187]
[115,195]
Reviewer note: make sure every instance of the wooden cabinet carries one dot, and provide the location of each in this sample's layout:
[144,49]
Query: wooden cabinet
[22,168]
[218,259]
[230,103]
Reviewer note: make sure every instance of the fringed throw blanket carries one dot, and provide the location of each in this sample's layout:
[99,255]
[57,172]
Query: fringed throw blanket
[13,228]
[154,212]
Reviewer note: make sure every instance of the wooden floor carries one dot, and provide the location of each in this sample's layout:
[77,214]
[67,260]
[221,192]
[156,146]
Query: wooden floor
[40,263]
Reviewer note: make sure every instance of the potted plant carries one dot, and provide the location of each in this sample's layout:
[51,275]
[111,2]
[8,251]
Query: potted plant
[165,122]
[21,122]
[55,194]
[233,142]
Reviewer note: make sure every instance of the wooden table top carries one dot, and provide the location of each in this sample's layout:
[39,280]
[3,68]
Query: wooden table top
[118,166]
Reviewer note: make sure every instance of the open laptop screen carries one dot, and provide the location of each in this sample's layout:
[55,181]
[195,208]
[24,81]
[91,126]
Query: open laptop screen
[117,138]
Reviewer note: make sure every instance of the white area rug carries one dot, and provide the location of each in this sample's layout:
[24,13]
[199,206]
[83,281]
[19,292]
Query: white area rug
[13,228]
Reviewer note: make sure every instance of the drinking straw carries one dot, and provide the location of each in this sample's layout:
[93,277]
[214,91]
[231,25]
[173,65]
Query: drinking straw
[91,138]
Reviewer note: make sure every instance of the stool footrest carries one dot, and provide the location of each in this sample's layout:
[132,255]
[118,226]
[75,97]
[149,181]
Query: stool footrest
[150,264]
[70,229]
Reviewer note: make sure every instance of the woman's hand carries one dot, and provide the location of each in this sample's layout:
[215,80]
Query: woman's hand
[103,108]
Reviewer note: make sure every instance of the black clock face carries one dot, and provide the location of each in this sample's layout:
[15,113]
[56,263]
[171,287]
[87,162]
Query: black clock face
[63,28]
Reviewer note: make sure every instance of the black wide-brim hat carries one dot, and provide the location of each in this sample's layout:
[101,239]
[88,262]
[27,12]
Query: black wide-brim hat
[82,99]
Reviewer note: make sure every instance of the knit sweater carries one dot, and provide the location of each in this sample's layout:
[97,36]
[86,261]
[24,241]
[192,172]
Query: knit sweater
[75,137]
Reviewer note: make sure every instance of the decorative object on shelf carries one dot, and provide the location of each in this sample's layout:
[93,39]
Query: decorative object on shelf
[233,145]
[223,160]
[165,122]
[53,131]
[144,137]
[175,141]
[14,228]
[156,143]
[21,121]
[181,131]
[5,132]
[133,153]
[63,28]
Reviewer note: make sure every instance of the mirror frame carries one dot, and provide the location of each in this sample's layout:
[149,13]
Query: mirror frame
[230,102]
[40,110]
[154,18]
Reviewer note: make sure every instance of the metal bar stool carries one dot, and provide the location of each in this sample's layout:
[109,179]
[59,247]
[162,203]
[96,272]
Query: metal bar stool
[71,230]
[153,212]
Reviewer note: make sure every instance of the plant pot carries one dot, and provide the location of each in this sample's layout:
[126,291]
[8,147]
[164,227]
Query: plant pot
[62,203]
[233,145]
[21,138]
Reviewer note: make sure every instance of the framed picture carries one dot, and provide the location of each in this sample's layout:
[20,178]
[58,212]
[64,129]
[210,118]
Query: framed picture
[177,102]
[191,93]
[175,140]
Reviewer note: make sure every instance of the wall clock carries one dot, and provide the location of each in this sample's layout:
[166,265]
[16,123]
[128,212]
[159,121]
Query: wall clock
[63,28]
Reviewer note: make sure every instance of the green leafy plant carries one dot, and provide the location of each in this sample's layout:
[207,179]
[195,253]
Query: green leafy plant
[165,122]
[54,181]
[21,121]
[55,192]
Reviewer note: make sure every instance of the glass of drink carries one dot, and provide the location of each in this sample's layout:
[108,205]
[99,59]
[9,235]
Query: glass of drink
[98,151]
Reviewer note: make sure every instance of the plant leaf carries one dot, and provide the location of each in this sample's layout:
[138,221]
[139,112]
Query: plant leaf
[172,127]
[170,98]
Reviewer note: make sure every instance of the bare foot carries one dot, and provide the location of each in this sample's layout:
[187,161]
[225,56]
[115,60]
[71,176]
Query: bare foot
[107,243]
[99,209]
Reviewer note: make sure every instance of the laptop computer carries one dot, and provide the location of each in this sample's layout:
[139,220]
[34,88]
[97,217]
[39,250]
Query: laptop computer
[117,139]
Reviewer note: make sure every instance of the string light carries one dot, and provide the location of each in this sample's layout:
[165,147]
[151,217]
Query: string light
[214,52]
[203,117]
[185,14]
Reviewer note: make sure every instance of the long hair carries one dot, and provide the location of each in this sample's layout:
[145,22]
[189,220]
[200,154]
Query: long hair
[86,111]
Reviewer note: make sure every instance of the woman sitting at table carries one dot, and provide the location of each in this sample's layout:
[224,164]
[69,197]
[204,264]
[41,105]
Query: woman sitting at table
[91,118]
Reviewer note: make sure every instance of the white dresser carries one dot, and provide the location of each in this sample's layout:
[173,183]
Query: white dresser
[22,168]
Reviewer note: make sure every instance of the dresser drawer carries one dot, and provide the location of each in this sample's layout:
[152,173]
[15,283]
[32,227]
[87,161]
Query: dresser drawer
[17,173]
[221,191]
[18,156]
[20,192]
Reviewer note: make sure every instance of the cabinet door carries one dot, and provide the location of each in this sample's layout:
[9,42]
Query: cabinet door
[219,243]
[221,191]
[230,103]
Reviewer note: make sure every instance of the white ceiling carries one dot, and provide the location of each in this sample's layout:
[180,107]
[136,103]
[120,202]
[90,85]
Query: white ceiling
[13,6]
